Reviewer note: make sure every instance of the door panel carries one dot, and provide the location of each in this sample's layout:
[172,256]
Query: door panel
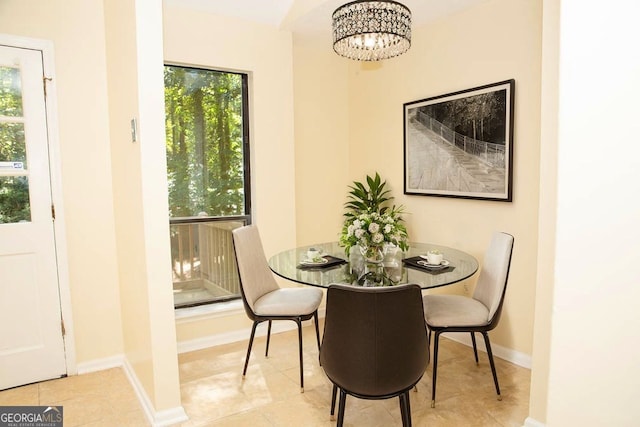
[31,341]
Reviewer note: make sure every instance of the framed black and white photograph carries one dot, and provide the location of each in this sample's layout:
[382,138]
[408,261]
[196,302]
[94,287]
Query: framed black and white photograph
[461,144]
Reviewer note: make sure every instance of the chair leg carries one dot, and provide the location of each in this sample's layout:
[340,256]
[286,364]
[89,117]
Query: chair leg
[428,345]
[475,349]
[266,352]
[315,320]
[341,405]
[299,322]
[334,392]
[435,369]
[493,366]
[246,360]
[405,409]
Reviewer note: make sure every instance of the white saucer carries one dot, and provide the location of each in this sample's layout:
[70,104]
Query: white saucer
[443,263]
[312,262]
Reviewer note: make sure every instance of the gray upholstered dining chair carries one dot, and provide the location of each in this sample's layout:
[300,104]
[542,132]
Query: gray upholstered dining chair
[481,312]
[263,299]
[374,344]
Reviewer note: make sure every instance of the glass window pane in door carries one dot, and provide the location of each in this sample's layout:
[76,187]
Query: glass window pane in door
[12,143]
[14,199]
[10,92]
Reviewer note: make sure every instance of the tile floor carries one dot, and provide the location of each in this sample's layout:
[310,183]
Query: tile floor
[214,394]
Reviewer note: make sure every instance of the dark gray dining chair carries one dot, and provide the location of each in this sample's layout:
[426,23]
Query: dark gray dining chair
[479,313]
[263,299]
[374,344]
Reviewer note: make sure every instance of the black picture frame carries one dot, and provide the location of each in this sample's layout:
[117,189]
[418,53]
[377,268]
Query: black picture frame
[461,144]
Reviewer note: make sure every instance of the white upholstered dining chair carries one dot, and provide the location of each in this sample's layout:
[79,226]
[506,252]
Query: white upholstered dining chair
[263,299]
[481,312]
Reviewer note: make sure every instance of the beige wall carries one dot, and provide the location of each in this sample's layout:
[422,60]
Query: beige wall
[135,76]
[202,39]
[78,32]
[444,57]
[125,157]
[547,216]
[348,123]
[373,122]
[593,358]
[322,139]
[76,28]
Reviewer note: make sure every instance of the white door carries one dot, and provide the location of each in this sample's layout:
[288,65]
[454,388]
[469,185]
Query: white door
[31,341]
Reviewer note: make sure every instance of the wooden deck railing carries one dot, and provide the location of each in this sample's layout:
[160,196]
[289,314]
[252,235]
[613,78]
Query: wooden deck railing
[202,257]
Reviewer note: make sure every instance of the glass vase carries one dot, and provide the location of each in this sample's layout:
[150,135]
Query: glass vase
[372,254]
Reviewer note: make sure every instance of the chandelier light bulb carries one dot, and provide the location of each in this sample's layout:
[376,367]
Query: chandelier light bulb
[370,41]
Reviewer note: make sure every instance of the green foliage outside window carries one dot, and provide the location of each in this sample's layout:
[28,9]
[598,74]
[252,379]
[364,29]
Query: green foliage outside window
[14,199]
[204,138]
[14,190]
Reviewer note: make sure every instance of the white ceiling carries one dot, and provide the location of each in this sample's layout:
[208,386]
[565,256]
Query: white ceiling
[314,16]
[269,12]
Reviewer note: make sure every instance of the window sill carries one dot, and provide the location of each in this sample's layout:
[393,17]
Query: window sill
[209,311]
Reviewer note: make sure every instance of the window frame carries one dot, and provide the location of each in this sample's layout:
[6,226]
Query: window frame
[246,218]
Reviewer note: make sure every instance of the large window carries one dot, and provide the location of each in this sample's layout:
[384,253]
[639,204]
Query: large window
[208,172]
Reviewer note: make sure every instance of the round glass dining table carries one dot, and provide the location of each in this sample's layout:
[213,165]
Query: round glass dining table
[397,268]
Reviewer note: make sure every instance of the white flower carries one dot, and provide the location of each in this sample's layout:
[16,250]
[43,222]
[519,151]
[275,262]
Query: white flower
[372,229]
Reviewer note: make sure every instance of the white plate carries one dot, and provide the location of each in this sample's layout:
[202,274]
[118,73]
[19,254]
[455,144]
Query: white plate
[312,262]
[443,263]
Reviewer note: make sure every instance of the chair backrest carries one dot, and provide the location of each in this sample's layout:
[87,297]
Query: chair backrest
[492,283]
[375,339]
[256,278]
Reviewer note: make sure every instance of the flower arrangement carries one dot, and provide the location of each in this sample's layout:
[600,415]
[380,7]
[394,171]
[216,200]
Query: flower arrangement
[372,230]
[368,222]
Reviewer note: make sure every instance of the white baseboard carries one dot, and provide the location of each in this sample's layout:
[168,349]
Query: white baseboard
[515,357]
[166,417]
[530,422]
[156,418]
[238,335]
[116,361]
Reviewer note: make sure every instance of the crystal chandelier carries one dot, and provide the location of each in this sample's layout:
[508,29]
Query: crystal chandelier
[371,30]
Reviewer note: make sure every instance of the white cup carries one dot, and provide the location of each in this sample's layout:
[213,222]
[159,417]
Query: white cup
[434,258]
[313,253]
